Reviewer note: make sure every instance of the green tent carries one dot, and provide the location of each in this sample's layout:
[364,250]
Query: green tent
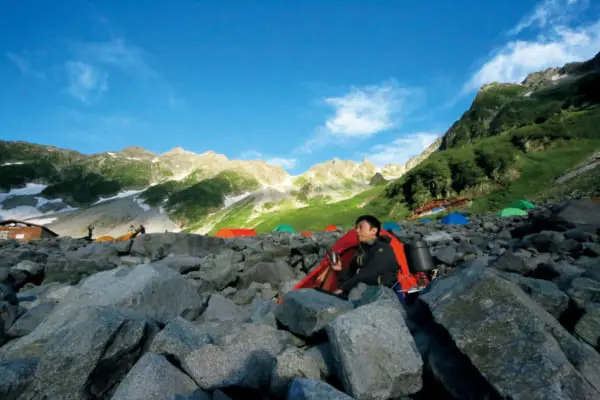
[284,228]
[521,204]
[511,212]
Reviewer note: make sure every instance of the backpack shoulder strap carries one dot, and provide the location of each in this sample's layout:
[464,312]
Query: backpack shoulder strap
[405,277]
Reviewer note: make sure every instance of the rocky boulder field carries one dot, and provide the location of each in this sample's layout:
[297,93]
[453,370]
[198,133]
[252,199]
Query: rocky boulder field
[515,314]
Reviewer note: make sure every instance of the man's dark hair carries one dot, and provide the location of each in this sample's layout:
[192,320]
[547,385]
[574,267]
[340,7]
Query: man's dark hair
[371,220]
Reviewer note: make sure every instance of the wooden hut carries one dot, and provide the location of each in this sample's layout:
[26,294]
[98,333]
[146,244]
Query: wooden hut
[12,229]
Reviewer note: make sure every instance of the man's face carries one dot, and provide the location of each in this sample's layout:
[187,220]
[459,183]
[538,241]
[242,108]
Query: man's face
[365,232]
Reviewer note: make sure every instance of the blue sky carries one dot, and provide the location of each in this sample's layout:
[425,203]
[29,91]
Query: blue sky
[292,82]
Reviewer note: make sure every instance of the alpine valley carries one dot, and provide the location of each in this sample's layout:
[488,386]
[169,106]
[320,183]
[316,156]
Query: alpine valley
[534,140]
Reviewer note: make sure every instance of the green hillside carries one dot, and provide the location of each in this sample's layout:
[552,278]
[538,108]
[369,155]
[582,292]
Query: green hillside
[312,218]
[196,201]
[511,143]
[77,178]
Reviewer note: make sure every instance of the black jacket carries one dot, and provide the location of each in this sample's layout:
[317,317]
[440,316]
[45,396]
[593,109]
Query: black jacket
[372,264]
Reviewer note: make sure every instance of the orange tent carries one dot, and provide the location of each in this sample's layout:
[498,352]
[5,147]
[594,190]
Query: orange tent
[229,233]
[331,228]
[306,233]
[122,238]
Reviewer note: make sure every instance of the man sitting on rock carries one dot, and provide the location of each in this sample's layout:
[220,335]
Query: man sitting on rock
[374,262]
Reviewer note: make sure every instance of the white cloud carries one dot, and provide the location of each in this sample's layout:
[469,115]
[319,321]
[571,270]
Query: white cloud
[401,149]
[23,64]
[118,53]
[550,13]
[555,46]
[285,163]
[365,111]
[359,114]
[86,82]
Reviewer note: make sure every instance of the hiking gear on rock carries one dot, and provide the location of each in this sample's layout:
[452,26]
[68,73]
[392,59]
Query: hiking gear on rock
[418,256]
[333,258]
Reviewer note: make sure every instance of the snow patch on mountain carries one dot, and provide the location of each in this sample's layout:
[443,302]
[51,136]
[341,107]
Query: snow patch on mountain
[28,211]
[120,195]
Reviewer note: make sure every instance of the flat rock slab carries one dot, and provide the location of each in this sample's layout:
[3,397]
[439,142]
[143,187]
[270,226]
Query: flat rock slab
[27,322]
[588,327]
[579,212]
[307,311]
[520,349]
[156,291]
[154,378]
[15,376]
[375,352]
[545,293]
[310,389]
[182,264]
[88,355]
[178,338]
[290,363]
[243,358]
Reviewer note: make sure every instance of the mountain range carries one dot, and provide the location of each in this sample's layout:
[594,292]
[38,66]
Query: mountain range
[514,141]
[166,191]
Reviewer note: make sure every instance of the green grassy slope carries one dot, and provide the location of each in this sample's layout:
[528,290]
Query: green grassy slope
[314,217]
[509,147]
[194,202]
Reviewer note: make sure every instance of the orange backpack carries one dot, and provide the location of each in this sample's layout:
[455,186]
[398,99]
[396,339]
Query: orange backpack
[405,278]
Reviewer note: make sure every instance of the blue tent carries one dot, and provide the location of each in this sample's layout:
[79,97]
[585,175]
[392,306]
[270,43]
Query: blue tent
[425,220]
[391,226]
[455,219]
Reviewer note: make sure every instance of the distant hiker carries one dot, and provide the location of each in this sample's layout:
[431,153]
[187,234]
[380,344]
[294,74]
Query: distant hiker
[374,262]
[90,229]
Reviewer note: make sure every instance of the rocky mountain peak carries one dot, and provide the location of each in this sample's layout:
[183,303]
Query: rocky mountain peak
[494,85]
[367,163]
[178,150]
[136,151]
[211,155]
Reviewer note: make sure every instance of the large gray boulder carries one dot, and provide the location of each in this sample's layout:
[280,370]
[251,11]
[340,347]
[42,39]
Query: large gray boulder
[221,309]
[376,355]
[156,291]
[274,273]
[30,319]
[545,293]
[310,389]
[307,311]
[290,363]
[588,327]
[178,338]
[182,264]
[154,378]
[520,349]
[244,358]
[15,377]
[89,354]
